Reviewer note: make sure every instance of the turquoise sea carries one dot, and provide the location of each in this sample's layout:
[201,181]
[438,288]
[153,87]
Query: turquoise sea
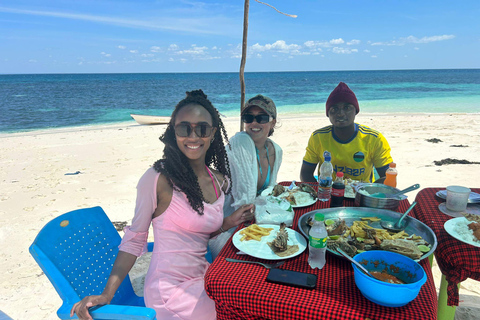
[42,101]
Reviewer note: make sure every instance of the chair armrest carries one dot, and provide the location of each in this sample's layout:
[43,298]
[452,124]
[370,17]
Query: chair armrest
[111,311]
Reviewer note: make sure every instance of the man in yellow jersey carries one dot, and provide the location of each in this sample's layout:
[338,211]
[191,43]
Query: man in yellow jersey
[355,149]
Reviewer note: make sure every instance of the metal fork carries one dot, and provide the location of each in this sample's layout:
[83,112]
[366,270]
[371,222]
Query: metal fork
[266,265]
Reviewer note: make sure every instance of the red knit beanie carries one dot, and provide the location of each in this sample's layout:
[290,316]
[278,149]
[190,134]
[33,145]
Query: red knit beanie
[342,93]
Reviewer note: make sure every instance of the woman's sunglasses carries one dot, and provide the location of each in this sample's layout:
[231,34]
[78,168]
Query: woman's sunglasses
[260,118]
[202,129]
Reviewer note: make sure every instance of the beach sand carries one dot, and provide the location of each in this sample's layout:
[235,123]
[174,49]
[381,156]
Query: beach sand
[34,188]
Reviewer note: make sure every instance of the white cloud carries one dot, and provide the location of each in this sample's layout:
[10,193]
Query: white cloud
[193,51]
[173,47]
[105,54]
[278,46]
[121,47]
[147,55]
[366,50]
[353,42]
[133,51]
[337,41]
[412,39]
[341,50]
[214,48]
[155,49]
[374,56]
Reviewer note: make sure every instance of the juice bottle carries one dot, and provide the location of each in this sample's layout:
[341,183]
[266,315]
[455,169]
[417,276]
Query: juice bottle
[391,175]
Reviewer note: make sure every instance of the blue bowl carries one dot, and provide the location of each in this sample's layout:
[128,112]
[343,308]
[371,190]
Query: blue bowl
[384,293]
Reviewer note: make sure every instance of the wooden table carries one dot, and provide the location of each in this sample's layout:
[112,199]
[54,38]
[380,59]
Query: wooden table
[240,291]
[457,260]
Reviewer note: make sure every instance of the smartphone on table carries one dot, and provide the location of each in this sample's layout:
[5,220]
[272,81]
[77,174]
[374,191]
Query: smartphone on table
[292,278]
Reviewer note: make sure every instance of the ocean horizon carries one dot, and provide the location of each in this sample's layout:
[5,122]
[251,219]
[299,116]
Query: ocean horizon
[42,101]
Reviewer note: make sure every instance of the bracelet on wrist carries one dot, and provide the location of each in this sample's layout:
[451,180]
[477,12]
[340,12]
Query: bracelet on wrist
[222,230]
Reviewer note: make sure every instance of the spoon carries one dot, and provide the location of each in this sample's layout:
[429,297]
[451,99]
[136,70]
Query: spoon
[399,225]
[394,195]
[343,253]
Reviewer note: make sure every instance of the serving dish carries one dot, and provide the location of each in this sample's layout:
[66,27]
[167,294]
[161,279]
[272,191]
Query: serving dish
[351,214]
[364,200]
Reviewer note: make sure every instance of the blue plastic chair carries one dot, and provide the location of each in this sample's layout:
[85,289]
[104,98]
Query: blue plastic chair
[76,251]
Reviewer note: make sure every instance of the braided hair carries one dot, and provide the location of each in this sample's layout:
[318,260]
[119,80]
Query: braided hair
[175,165]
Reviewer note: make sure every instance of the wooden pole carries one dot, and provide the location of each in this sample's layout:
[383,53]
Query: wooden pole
[244,57]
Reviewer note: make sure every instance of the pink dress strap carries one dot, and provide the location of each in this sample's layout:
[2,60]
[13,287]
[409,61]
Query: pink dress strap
[213,181]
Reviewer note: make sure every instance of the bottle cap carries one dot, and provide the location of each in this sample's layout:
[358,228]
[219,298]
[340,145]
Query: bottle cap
[340,174]
[327,156]
[393,165]
[319,217]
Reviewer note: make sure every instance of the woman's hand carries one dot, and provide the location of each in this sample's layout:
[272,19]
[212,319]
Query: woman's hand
[242,214]
[81,307]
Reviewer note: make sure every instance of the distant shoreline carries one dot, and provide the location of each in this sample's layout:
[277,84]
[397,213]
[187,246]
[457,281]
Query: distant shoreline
[234,72]
[131,123]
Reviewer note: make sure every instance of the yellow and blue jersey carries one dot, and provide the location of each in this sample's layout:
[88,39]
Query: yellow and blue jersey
[356,158]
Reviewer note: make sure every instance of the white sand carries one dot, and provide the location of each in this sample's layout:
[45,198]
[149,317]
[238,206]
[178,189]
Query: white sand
[34,188]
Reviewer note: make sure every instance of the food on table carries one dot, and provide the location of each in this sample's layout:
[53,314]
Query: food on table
[402,246]
[254,232]
[338,227]
[350,186]
[308,189]
[471,217]
[360,236]
[278,190]
[299,195]
[475,227]
[386,277]
[280,246]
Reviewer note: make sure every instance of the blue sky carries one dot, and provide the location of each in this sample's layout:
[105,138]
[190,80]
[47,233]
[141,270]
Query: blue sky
[116,36]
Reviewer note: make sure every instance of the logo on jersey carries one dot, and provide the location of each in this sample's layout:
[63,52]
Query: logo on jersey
[359,157]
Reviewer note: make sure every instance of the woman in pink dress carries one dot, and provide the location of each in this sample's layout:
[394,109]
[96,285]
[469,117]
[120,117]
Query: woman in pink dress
[183,200]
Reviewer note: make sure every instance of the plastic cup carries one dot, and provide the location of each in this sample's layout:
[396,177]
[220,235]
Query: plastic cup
[457,198]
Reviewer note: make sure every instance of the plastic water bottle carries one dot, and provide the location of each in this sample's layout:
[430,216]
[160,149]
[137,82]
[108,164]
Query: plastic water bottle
[317,242]
[325,178]
[391,175]
[338,191]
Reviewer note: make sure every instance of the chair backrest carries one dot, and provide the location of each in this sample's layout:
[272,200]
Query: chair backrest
[76,251]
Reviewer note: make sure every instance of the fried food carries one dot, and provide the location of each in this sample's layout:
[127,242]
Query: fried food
[471,216]
[280,241]
[405,247]
[254,232]
[278,190]
[279,245]
[475,227]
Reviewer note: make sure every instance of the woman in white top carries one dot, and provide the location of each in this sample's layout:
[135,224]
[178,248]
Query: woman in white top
[254,160]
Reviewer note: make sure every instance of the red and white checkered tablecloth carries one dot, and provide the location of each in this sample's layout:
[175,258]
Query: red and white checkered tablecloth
[241,292]
[457,260]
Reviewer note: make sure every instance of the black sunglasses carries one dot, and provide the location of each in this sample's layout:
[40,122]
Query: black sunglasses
[260,118]
[202,129]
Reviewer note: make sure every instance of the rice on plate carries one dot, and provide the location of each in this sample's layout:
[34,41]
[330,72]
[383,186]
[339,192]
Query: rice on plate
[461,227]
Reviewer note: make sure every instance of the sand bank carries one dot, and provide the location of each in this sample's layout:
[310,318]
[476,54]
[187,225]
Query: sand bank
[34,188]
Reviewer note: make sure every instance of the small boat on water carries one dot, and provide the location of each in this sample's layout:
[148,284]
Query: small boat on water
[150,120]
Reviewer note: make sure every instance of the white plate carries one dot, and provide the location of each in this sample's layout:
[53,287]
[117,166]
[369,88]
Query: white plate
[261,250]
[450,227]
[473,209]
[473,198]
[269,190]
